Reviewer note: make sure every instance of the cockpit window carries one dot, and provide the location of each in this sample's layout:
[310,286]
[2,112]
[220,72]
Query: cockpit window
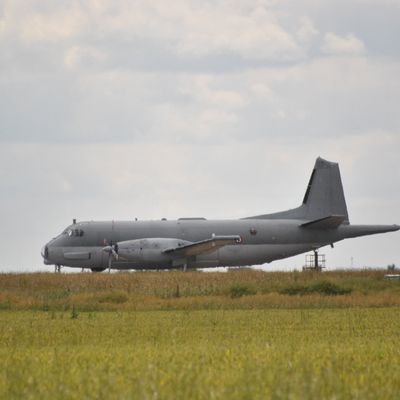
[74,232]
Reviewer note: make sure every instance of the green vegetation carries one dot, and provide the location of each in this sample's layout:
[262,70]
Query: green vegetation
[173,335]
[210,354]
[242,289]
[323,287]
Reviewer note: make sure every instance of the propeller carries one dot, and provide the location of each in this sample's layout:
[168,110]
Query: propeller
[112,251]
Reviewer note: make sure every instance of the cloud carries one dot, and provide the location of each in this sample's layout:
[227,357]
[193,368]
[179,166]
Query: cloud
[187,29]
[204,88]
[121,105]
[83,55]
[307,30]
[252,33]
[33,21]
[342,45]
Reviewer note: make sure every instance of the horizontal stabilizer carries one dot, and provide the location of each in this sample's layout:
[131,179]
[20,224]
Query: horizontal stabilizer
[330,222]
[204,246]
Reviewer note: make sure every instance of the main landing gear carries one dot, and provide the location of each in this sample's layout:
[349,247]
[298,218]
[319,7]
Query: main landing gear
[98,269]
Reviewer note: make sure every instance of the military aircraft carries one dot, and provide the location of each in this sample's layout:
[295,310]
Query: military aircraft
[321,220]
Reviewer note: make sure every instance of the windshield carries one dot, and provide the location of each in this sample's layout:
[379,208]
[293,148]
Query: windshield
[73,232]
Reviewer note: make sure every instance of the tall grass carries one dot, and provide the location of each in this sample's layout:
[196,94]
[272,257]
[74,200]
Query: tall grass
[195,290]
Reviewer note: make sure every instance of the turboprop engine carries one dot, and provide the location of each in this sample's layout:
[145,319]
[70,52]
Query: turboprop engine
[146,250]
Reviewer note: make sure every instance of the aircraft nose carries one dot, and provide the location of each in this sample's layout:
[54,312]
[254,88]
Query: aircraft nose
[45,252]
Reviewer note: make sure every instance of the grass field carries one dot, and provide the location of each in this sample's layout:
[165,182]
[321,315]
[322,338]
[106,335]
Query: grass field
[200,336]
[239,289]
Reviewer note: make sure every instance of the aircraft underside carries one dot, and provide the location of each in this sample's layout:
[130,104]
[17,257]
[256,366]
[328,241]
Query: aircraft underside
[228,256]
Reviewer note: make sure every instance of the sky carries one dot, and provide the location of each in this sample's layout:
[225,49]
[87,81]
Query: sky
[150,108]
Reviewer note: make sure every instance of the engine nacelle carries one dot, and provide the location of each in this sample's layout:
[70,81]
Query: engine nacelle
[148,250]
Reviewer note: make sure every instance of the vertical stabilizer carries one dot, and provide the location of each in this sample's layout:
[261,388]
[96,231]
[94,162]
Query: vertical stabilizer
[324,196]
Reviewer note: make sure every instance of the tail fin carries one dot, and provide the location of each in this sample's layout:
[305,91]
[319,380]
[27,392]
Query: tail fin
[324,196]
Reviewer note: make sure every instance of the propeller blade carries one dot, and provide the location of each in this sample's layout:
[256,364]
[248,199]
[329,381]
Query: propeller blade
[112,251]
[107,249]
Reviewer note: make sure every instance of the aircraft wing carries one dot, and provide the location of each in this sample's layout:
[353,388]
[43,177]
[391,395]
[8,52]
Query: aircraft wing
[204,246]
[331,222]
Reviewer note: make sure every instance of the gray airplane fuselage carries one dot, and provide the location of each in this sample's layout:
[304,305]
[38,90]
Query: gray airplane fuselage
[322,219]
[262,241]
